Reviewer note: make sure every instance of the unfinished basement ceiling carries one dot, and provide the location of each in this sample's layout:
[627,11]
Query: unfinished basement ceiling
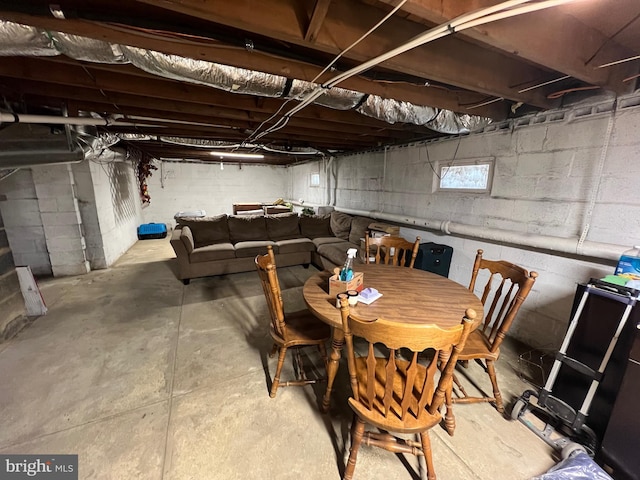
[151,86]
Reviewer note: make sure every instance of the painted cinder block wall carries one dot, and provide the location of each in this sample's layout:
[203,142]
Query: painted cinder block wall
[12,308]
[188,187]
[547,167]
[69,219]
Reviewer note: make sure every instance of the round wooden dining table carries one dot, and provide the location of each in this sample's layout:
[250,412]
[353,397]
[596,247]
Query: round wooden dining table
[409,295]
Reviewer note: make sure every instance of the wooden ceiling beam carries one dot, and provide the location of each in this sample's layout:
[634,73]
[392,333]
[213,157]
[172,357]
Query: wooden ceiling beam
[237,105]
[449,60]
[320,10]
[455,100]
[277,138]
[568,45]
[114,103]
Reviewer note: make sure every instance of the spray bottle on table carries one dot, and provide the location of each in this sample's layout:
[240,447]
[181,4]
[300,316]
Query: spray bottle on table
[346,273]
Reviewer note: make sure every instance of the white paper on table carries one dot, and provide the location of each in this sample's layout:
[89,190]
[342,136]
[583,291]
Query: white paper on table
[369,301]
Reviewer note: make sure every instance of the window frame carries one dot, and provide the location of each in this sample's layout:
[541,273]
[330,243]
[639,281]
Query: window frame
[311,178]
[440,165]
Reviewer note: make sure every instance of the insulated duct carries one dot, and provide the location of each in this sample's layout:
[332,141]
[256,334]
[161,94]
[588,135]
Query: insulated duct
[573,246]
[212,144]
[87,49]
[21,40]
[336,97]
[223,77]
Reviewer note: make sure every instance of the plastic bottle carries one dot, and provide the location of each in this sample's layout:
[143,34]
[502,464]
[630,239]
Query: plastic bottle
[629,263]
[346,273]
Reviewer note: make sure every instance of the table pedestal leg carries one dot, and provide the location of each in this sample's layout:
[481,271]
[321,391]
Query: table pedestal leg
[332,367]
[449,417]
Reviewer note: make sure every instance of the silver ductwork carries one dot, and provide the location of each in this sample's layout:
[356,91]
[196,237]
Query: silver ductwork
[16,39]
[338,98]
[394,111]
[87,49]
[213,144]
[230,79]
[23,40]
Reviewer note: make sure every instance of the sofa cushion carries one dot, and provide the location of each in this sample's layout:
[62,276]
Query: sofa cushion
[207,230]
[322,240]
[316,226]
[336,253]
[359,226]
[247,228]
[253,248]
[218,251]
[295,245]
[340,224]
[283,226]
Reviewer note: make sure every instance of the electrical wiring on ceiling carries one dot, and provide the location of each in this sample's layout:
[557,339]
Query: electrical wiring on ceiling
[500,11]
[325,69]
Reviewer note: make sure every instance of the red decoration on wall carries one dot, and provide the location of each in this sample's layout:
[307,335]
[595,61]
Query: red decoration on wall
[144,169]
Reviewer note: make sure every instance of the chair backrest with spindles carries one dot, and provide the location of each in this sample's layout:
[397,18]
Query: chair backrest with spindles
[380,248]
[507,286]
[395,388]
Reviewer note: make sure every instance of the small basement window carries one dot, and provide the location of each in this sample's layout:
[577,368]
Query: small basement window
[474,176]
[314,180]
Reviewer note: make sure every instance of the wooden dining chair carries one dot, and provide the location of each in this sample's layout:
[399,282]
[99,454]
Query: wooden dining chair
[291,330]
[396,395]
[380,248]
[504,292]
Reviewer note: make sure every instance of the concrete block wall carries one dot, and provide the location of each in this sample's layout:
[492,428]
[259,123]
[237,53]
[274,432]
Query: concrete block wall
[12,310]
[117,207]
[63,229]
[23,223]
[181,187]
[300,187]
[68,219]
[547,168]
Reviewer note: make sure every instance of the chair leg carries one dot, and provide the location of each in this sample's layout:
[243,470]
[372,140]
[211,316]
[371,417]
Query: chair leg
[323,353]
[456,380]
[276,379]
[426,449]
[356,439]
[494,382]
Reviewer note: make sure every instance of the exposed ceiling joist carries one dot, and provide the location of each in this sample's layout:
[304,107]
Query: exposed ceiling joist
[505,68]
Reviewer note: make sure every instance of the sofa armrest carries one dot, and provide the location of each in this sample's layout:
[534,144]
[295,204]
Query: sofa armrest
[177,244]
[187,239]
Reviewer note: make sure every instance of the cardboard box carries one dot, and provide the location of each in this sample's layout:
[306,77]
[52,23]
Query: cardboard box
[336,286]
[385,228]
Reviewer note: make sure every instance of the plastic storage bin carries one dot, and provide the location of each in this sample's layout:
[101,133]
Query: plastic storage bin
[629,263]
[152,230]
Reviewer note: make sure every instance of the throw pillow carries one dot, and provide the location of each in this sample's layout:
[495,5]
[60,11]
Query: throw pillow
[247,228]
[283,226]
[207,230]
[359,226]
[316,226]
[340,224]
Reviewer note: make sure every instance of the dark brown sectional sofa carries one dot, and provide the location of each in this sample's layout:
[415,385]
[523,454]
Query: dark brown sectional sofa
[229,244]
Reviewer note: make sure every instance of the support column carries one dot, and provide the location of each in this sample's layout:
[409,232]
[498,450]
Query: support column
[55,189]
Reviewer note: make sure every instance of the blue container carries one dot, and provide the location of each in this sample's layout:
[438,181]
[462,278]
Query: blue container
[629,264]
[152,230]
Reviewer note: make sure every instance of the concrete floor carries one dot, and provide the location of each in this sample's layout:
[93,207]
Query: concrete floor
[145,378]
